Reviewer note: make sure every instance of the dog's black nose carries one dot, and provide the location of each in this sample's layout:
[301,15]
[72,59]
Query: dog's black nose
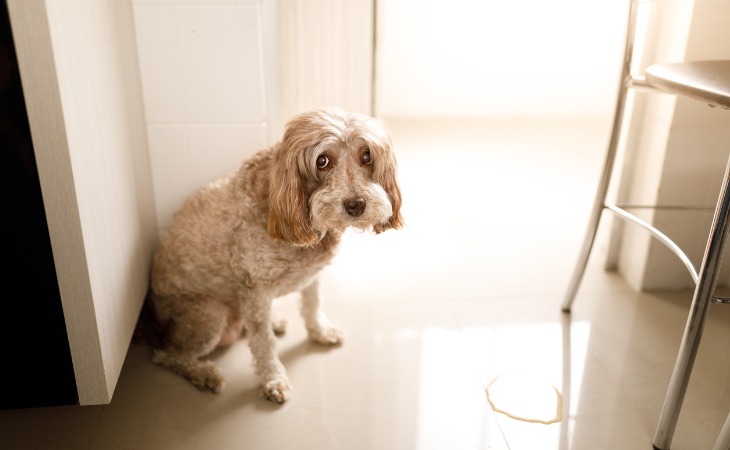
[354,206]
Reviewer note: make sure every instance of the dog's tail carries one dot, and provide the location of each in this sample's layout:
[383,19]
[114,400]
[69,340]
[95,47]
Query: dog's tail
[149,331]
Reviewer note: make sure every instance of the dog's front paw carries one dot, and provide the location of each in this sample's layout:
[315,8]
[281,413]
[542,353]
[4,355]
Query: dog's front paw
[278,390]
[327,335]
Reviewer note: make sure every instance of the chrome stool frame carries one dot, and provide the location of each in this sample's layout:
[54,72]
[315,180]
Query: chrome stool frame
[707,81]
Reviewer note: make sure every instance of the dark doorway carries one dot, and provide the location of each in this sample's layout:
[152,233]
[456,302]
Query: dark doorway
[37,368]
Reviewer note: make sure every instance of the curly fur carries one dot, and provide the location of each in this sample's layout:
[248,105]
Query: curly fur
[242,241]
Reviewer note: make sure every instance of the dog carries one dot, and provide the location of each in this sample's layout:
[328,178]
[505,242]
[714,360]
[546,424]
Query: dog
[268,230]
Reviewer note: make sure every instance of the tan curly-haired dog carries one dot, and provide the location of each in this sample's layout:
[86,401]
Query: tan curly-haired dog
[242,241]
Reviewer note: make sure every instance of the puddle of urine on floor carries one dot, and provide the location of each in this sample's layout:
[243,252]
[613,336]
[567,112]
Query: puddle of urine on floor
[526,397]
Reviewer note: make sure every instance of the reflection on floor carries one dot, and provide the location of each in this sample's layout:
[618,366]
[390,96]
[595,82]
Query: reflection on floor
[467,294]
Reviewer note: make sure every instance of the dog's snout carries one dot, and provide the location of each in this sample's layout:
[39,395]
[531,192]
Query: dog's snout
[354,206]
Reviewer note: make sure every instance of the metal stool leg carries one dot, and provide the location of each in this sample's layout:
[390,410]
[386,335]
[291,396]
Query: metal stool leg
[703,295]
[600,199]
[598,206]
[723,439]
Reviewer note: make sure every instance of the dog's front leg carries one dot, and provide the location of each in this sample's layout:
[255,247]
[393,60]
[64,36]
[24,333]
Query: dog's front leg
[319,328]
[262,342]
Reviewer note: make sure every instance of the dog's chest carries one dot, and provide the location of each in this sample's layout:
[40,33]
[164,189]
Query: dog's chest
[280,267]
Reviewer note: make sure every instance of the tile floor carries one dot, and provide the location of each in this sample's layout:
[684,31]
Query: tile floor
[469,291]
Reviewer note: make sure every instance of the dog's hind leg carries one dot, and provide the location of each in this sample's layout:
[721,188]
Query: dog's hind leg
[193,334]
[202,374]
[319,328]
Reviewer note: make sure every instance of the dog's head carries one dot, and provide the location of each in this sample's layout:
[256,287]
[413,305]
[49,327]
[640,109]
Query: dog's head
[332,170]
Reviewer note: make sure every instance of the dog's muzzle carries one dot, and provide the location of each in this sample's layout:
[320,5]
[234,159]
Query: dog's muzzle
[354,206]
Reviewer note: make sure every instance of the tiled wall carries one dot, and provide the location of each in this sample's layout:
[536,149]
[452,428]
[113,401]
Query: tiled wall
[210,100]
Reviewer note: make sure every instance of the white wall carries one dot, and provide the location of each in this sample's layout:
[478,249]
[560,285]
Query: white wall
[209,85]
[498,58]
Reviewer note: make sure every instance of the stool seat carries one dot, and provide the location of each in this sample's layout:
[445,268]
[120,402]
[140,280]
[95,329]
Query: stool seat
[707,81]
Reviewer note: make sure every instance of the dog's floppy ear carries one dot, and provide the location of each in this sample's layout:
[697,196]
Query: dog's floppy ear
[384,174]
[289,219]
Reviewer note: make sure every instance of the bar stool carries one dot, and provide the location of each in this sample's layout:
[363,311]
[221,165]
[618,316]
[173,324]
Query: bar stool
[709,82]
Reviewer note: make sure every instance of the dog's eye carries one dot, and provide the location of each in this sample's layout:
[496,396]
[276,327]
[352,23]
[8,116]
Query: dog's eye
[322,162]
[365,157]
